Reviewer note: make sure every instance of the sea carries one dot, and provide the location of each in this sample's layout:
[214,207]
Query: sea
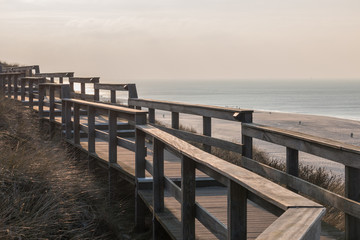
[334,98]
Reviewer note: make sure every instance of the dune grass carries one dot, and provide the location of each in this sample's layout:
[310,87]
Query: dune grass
[45,193]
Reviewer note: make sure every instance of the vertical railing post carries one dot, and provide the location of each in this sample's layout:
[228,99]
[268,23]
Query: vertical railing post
[140,154]
[91,129]
[151,115]
[175,120]
[61,80]
[52,103]
[2,84]
[16,77]
[9,85]
[22,89]
[247,149]
[112,136]
[83,91]
[31,93]
[68,126]
[112,152]
[237,210]
[76,124]
[158,183]
[64,93]
[188,185]
[292,163]
[96,94]
[41,100]
[352,191]
[112,96]
[207,131]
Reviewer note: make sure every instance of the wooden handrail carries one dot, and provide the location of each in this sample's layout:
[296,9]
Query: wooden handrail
[233,177]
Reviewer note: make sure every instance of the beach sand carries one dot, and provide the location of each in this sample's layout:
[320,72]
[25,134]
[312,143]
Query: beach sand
[326,127]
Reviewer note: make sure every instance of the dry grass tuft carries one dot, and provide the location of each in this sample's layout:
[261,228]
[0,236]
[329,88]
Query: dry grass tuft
[46,193]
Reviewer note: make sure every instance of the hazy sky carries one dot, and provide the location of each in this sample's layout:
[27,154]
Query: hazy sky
[184,39]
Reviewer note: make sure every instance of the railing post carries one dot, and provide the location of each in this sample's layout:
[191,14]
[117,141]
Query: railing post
[41,100]
[292,163]
[237,210]
[31,93]
[247,150]
[96,95]
[76,122]
[352,191]
[22,89]
[140,154]
[65,93]
[83,91]
[207,131]
[158,183]
[16,87]
[91,129]
[112,96]
[68,120]
[151,115]
[52,103]
[61,80]
[9,85]
[112,137]
[188,197]
[175,120]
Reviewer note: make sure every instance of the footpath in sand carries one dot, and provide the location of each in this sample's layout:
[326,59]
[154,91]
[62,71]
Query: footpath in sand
[342,130]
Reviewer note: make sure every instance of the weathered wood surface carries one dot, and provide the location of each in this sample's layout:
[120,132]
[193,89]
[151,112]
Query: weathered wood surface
[196,109]
[336,151]
[115,87]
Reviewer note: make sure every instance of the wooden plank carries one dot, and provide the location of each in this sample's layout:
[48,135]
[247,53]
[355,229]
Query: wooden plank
[175,120]
[52,103]
[216,142]
[107,106]
[196,109]
[68,120]
[210,222]
[57,75]
[352,191]
[151,115]
[83,80]
[158,175]
[113,96]
[295,223]
[112,136]
[188,198]
[76,122]
[325,148]
[262,187]
[91,129]
[115,87]
[322,195]
[207,132]
[237,211]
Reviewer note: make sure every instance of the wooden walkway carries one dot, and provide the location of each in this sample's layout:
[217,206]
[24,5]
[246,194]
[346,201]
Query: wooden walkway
[213,198]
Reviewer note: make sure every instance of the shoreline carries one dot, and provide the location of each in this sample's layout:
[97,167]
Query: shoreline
[334,128]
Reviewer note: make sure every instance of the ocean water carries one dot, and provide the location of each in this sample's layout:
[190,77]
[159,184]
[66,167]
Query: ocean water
[335,98]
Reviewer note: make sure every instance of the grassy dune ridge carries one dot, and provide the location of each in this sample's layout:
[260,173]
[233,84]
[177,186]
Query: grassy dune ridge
[46,193]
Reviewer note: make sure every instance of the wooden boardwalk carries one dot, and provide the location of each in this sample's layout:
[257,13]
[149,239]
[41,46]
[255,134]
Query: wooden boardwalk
[213,198]
[169,162]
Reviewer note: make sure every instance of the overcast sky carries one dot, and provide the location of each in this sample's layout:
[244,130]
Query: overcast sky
[184,39]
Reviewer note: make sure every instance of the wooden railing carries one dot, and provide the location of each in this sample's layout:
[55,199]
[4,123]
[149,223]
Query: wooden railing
[82,95]
[30,89]
[51,77]
[9,83]
[73,126]
[130,88]
[302,216]
[348,155]
[207,113]
[27,70]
